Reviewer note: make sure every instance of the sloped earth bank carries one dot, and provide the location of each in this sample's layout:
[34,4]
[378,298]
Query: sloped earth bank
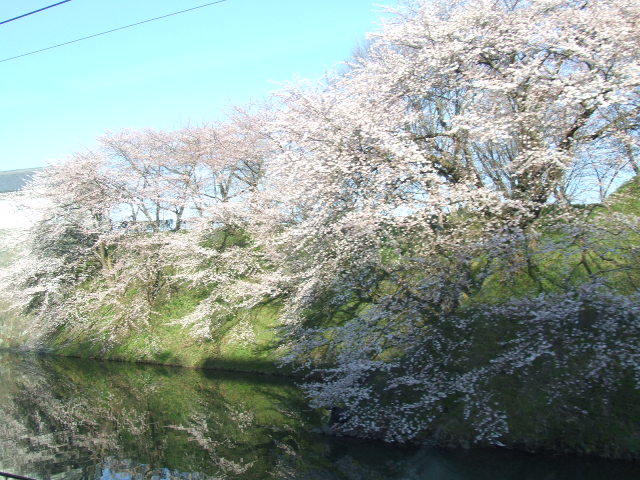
[83,419]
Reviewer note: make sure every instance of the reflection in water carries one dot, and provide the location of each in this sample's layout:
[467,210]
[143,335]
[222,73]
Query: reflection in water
[77,419]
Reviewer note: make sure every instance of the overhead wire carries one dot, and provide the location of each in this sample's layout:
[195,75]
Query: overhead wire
[34,12]
[112,30]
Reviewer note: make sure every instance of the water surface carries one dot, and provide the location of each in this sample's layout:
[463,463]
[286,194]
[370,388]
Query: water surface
[65,418]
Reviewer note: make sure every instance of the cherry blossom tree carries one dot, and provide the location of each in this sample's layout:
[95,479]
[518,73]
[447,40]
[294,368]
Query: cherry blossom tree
[104,220]
[439,165]
[68,241]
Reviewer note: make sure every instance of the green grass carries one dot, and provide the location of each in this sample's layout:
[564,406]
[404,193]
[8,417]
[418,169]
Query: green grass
[164,342]
[627,198]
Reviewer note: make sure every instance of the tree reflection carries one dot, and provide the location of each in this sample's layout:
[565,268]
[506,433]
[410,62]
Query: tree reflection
[77,419]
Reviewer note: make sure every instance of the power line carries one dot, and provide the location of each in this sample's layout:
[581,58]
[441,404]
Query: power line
[35,11]
[111,31]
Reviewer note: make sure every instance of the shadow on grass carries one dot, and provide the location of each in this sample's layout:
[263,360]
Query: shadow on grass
[263,367]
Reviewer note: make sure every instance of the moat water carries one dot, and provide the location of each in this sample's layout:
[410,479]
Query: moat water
[64,418]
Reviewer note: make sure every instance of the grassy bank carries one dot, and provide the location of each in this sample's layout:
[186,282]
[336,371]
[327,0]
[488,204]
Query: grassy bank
[246,343]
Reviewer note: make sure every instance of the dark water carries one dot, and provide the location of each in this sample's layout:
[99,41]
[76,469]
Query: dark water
[73,419]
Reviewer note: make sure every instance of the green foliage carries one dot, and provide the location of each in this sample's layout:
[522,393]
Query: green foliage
[627,198]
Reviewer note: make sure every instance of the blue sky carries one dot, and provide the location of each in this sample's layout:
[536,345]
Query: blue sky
[187,68]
